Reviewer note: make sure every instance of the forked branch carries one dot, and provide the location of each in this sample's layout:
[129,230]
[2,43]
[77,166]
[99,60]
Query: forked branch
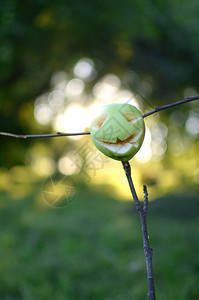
[142,209]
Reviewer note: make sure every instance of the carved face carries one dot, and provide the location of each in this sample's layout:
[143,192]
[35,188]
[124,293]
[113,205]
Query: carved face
[118,131]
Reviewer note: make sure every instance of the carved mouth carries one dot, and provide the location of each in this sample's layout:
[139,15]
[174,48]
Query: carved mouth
[122,146]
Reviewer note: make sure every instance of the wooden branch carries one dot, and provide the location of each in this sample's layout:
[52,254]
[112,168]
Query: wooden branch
[145,206]
[142,209]
[189,99]
[58,134]
[19,136]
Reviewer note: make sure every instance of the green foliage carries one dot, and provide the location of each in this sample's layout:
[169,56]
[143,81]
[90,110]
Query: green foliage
[39,37]
[92,249]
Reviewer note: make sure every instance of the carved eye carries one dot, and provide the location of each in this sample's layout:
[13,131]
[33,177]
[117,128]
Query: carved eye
[130,117]
[99,121]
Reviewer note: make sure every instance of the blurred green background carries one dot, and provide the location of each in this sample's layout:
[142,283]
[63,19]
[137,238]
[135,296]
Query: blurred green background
[60,61]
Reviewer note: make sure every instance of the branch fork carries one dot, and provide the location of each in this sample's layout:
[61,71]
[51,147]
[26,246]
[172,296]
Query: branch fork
[142,209]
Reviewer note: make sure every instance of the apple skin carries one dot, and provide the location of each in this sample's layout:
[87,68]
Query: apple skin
[118,131]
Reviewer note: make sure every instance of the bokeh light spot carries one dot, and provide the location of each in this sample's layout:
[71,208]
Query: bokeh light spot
[66,166]
[56,100]
[192,123]
[43,114]
[75,87]
[58,78]
[43,166]
[144,154]
[84,68]
[74,119]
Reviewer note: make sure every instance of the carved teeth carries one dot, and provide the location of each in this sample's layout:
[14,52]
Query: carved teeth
[122,146]
[118,147]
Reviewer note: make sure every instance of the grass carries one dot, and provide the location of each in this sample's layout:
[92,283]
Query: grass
[92,249]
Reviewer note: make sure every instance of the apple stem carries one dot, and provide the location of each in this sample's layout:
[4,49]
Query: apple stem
[142,209]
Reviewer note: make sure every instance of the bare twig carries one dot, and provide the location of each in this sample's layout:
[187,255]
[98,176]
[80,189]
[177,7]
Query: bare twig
[142,209]
[58,134]
[19,136]
[189,99]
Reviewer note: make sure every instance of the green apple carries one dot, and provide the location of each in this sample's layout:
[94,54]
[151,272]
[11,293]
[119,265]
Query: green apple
[118,131]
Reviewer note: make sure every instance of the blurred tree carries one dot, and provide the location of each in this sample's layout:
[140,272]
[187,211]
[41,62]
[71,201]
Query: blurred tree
[158,40]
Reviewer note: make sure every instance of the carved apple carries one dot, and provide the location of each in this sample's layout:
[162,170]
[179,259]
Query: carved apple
[118,131]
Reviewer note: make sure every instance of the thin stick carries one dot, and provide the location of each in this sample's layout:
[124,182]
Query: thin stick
[19,136]
[58,134]
[189,99]
[142,209]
